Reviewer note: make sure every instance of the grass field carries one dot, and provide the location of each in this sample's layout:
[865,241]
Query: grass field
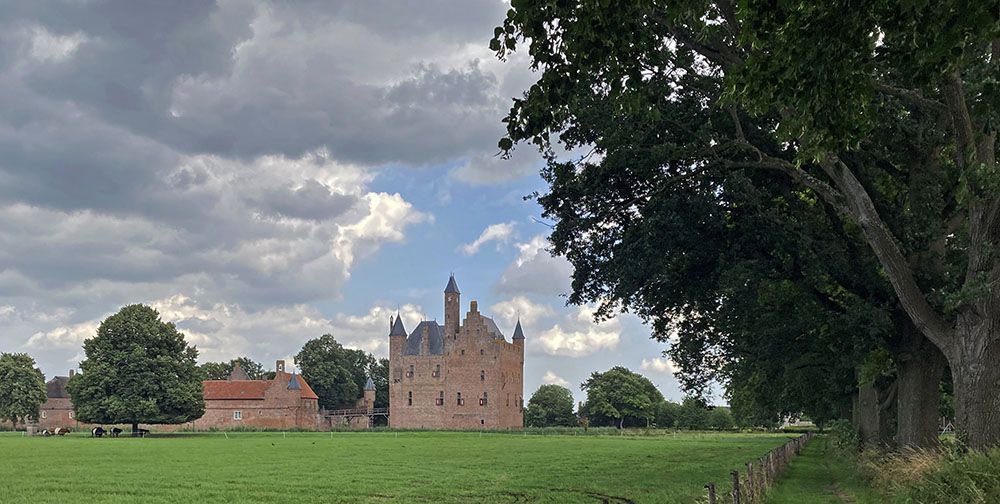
[819,476]
[371,467]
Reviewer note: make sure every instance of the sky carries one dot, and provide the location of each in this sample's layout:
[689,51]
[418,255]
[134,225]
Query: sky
[263,173]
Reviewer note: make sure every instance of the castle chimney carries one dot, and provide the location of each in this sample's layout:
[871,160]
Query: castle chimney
[279,366]
[474,307]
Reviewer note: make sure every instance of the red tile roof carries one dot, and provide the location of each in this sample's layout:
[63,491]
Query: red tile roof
[252,389]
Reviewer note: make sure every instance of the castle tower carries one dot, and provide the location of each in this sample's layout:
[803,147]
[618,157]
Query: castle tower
[397,336]
[452,303]
[369,393]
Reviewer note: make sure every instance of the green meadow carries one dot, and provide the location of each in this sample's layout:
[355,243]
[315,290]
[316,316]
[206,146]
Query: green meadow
[372,467]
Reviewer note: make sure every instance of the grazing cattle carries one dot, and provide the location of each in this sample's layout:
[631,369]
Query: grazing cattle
[46,433]
[62,431]
[115,431]
[140,433]
[97,432]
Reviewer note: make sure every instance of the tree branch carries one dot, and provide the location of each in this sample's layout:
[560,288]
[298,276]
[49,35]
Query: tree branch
[883,243]
[913,97]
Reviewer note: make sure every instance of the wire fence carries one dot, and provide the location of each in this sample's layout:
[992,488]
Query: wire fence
[751,486]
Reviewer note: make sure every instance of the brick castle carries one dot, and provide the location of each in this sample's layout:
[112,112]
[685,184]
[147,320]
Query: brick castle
[462,375]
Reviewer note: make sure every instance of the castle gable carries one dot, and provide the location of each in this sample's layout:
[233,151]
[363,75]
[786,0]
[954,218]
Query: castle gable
[435,339]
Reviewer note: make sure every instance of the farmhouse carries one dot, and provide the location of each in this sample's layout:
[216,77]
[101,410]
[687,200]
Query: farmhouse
[284,402]
[462,375]
[57,410]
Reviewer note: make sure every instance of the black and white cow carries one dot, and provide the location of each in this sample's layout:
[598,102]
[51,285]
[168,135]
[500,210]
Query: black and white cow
[115,431]
[97,432]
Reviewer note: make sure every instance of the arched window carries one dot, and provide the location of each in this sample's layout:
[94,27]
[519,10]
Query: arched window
[437,370]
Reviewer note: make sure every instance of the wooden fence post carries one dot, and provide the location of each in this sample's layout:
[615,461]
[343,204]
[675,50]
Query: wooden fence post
[736,487]
[751,489]
[711,492]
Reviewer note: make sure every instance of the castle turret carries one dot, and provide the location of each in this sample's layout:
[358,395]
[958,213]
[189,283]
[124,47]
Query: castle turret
[452,303]
[370,393]
[518,338]
[397,336]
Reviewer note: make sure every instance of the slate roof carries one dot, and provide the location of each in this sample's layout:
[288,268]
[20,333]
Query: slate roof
[518,333]
[435,334]
[491,327]
[452,287]
[293,382]
[397,328]
[56,387]
[369,385]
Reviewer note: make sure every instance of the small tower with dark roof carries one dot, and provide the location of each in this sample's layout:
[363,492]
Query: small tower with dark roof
[452,307]
[397,335]
[370,393]
[293,383]
[518,337]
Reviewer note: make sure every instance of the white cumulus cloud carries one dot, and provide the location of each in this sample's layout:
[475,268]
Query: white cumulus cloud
[658,365]
[550,378]
[500,233]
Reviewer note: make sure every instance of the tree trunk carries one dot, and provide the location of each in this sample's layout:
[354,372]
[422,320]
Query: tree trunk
[135,428]
[919,368]
[975,371]
[874,413]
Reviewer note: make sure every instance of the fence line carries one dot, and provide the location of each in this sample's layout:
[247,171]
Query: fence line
[761,474]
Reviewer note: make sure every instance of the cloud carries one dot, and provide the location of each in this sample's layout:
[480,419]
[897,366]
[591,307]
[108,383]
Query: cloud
[500,233]
[550,378]
[536,271]
[523,309]
[658,365]
[63,337]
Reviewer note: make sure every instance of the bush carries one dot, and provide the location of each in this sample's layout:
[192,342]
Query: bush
[844,436]
[931,477]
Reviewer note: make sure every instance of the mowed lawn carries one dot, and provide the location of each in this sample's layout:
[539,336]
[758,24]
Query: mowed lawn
[371,467]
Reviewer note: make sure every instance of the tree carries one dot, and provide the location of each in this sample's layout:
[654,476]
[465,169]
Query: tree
[666,414]
[223,370]
[379,372]
[137,369]
[897,140]
[720,418]
[621,398]
[550,406]
[693,414]
[337,374]
[22,388]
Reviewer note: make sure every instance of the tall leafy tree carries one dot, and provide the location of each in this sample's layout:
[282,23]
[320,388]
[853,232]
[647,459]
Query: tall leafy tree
[223,370]
[137,369]
[886,117]
[620,398]
[337,374]
[550,406]
[22,388]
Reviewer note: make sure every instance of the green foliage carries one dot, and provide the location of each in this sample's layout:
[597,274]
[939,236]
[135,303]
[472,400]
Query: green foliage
[22,388]
[667,414]
[138,369]
[335,373]
[223,370]
[620,398]
[693,414]
[720,418]
[844,437]
[550,406]
[972,477]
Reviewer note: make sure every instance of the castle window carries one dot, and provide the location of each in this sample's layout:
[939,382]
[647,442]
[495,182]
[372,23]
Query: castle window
[460,401]
[482,376]
[237,415]
[463,351]
[409,398]
[70,415]
[483,400]
[409,374]
[437,371]
[440,399]
[43,415]
[480,351]
[482,422]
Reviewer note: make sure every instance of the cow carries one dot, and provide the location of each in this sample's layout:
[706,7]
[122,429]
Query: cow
[62,431]
[97,432]
[140,433]
[115,431]
[46,433]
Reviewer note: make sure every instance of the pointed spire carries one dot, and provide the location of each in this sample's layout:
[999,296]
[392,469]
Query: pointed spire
[397,327]
[518,333]
[369,385]
[452,287]
[293,384]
